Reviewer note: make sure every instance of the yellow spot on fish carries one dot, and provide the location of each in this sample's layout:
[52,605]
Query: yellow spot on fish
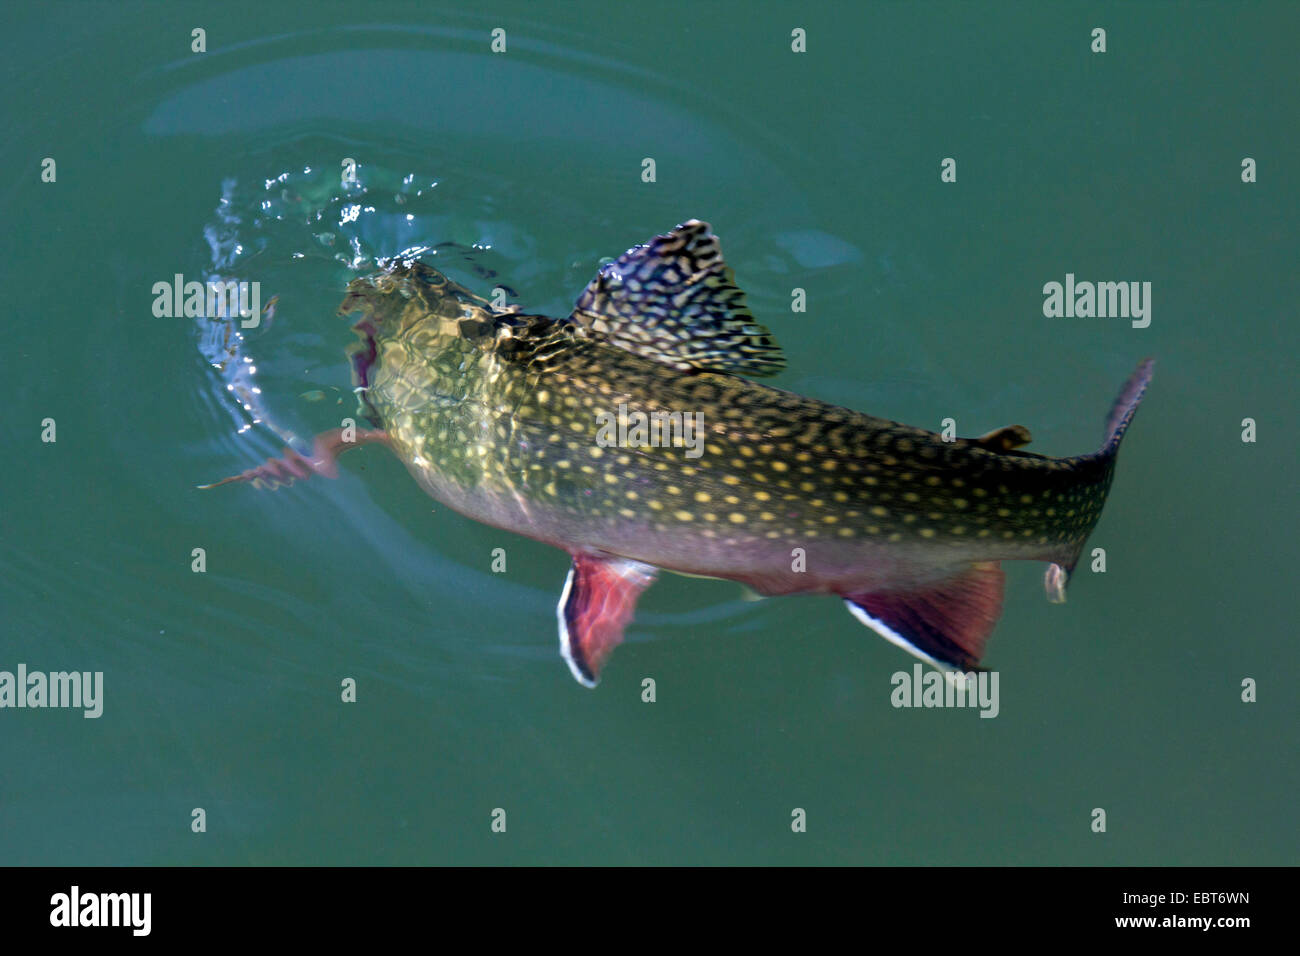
[780,466]
[736,518]
[683,516]
[927,532]
[701,496]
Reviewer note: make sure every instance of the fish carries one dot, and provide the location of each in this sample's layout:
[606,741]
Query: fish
[507,417]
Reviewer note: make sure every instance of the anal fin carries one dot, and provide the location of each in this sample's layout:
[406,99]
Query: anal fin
[946,623]
[598,601]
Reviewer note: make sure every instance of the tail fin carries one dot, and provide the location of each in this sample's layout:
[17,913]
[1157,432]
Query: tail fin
[1126,406]
[1117,422]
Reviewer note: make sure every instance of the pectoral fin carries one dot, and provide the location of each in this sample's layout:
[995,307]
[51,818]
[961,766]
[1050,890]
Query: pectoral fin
[598,601]
[293,466]
[946,623]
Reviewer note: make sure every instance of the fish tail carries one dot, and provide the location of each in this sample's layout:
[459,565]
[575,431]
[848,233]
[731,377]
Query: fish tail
[1102,464]
[1125,407]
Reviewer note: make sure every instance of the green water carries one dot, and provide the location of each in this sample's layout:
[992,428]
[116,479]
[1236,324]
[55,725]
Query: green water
[820,171]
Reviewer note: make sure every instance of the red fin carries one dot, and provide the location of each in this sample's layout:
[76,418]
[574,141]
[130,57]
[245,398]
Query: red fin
[598,601]
[326,448]
[946,623]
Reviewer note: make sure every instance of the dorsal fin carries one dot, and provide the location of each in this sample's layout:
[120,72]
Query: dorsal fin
[674,300]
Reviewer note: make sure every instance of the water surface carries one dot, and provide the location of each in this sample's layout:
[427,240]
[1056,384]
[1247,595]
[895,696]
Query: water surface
[819,171]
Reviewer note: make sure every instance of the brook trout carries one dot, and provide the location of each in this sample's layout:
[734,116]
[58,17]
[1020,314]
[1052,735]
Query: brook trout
[629,434]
